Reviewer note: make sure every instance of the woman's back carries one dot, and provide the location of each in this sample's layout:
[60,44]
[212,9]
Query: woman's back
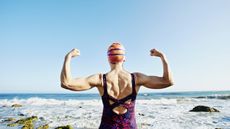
[119,85]
[118,100]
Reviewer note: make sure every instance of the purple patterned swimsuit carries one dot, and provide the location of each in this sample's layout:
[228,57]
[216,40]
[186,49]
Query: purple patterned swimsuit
[111,120]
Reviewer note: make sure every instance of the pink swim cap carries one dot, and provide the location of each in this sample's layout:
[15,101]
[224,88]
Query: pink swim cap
[116,53]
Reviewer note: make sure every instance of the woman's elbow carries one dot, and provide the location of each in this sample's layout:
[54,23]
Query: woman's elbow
[169,83]
[64,85]
[67,87]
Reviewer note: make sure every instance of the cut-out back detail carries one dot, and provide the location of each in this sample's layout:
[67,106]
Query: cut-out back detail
[112,120]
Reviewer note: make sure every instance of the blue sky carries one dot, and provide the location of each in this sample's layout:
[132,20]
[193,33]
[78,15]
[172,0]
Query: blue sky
[36,35]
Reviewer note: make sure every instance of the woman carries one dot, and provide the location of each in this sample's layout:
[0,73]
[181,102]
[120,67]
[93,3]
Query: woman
[118,88]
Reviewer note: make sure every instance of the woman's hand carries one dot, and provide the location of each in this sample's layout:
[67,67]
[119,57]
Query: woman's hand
[73,53]
[155,52]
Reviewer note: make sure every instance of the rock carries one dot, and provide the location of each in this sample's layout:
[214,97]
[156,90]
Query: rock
[28,125]
[64,127]
[21,114]
[43,127]
[42,118]
[26,122]
[9,119]
[23,121]
[12,124]
[224,97]
[202,108]
[141,114]
[146,124]
[16,105]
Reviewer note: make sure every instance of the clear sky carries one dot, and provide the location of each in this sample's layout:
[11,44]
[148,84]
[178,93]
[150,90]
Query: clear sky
[35,35]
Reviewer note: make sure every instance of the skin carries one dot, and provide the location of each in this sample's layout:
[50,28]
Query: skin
[118,79]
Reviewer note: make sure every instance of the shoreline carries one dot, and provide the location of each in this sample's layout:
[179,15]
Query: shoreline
[161,113]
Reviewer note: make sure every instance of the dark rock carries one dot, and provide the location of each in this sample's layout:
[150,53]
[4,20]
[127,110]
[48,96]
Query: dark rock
[141,114]
[42,118]
[16,105]
[202,108]
[224,97]
[9,119]
[21,114]
[146,124]
[12,124]
[64,127]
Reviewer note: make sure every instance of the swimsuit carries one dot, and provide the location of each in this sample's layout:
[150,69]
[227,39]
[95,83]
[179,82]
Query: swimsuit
[111,120]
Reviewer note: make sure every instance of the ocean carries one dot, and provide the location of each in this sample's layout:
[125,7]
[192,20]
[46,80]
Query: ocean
[168,110]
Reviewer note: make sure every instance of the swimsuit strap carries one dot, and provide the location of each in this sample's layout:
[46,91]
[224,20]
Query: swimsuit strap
[133,84]
[105,85]
[122,101]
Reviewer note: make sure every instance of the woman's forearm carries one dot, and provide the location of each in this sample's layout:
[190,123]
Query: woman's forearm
[66,71]
[166,70]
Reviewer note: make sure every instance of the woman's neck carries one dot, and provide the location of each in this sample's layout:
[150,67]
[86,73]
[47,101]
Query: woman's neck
[116,67]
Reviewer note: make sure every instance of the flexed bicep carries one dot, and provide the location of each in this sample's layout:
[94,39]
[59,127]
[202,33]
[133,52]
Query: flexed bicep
[152,82]
[84,83]
[155,82]
[76,84]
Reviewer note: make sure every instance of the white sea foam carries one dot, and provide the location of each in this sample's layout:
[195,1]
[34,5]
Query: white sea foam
[160,113]
[35,101]
[163,101]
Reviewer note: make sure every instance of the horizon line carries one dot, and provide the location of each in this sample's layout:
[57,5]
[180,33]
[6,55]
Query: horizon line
[98,93]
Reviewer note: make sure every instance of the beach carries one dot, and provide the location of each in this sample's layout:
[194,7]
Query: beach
[153,110]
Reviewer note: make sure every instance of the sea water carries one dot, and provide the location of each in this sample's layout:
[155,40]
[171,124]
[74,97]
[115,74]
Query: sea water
[153,110]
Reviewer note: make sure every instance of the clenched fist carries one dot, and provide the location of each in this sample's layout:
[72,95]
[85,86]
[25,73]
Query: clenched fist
[155,52]
[74,52]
